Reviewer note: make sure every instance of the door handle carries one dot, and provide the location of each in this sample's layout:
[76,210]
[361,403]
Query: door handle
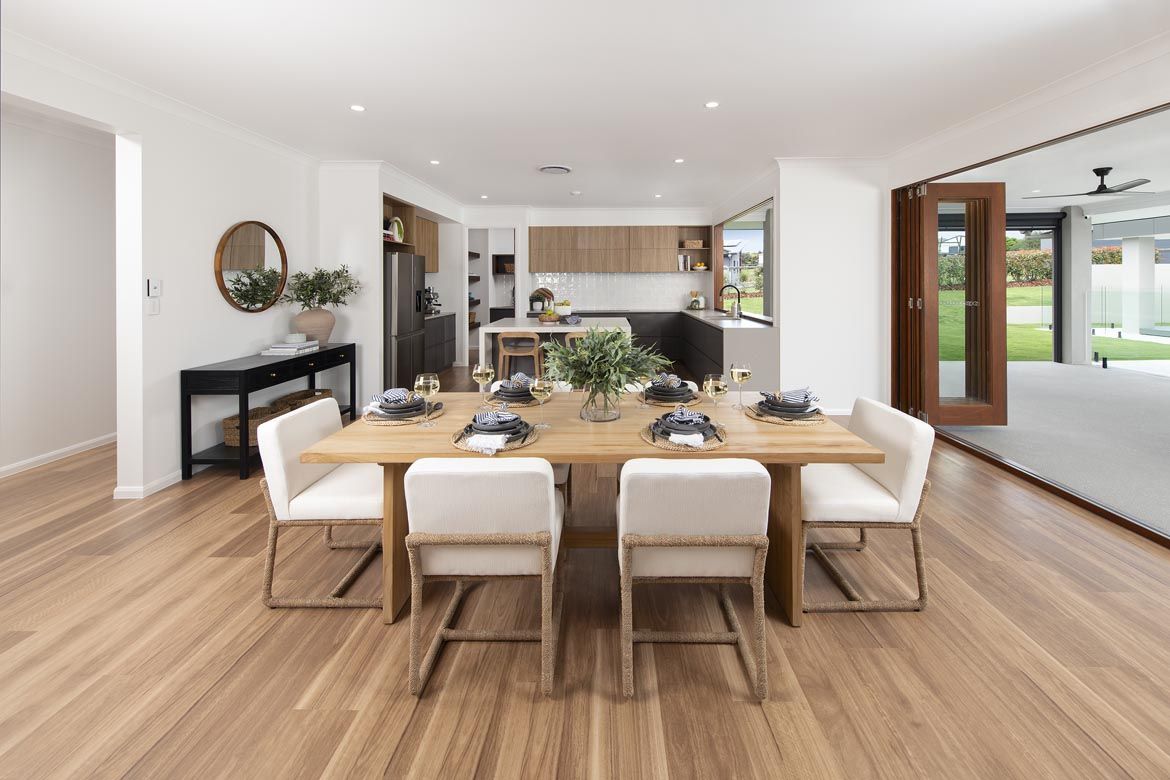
[418,300]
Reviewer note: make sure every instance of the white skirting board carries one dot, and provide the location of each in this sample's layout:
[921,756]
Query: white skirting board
[49,457]
[150,488]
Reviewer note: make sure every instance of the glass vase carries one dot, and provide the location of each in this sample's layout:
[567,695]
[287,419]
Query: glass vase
[599,407]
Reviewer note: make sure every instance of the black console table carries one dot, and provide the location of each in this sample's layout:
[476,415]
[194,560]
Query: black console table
[240,377]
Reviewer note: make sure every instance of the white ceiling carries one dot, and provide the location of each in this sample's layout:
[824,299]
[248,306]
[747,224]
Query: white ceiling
[1138,149]
[615,89]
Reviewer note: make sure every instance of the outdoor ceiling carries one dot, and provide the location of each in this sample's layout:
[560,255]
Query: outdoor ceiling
[1138,149]
[614,89]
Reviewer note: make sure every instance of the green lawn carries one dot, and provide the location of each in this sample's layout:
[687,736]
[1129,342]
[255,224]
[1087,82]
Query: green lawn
[1029,342]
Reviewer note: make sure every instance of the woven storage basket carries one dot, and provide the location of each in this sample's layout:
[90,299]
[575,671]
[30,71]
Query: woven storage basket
[290,401]
[256,416]
[693,243]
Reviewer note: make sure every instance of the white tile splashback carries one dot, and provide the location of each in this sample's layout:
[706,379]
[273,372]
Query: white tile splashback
[635,292]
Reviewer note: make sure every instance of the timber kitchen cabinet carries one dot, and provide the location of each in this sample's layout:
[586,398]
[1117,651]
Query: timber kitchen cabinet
[607,248]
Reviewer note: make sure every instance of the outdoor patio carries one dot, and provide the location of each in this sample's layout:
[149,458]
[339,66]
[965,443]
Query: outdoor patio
[1104,433]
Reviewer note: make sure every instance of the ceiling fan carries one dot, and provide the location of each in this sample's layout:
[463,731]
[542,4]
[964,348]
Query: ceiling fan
[1102,189]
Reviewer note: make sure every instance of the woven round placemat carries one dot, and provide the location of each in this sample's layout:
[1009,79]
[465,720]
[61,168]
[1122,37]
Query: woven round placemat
[666,444]
[752,413]
[514,445]
[494,400]
[698,399]
[371,420]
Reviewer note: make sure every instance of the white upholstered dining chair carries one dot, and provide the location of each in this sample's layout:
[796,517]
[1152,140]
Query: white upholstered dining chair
[316,495]
[475,519]
[695,521]
[869,496]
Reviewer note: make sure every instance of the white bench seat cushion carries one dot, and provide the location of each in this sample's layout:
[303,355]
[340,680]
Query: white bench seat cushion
[725,496]
[483,496]
[490,560]
[841,493]
[352,491]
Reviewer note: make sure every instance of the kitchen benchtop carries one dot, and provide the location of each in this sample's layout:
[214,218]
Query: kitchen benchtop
[717,319]
[437,315]
[513,324]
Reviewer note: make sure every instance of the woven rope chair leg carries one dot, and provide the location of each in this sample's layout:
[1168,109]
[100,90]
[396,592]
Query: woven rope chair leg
[857,546]
[269,563]
[333,544]
[855,602]
[627,620]
[420,672]
[550,612]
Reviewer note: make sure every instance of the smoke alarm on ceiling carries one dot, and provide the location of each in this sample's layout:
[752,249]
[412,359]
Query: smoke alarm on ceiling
[556,169]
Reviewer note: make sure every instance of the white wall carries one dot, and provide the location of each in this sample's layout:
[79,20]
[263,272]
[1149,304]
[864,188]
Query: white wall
[349,209]
[57,360]
[832,281]
[199,176]
[451,281]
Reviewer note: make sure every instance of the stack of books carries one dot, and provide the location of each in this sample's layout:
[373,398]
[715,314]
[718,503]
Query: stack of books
[289,349]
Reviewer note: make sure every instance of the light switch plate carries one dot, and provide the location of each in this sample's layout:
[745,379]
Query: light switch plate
[154,288]
[153,306]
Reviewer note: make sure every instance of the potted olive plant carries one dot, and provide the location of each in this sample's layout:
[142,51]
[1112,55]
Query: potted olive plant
[601,364]
[314,291]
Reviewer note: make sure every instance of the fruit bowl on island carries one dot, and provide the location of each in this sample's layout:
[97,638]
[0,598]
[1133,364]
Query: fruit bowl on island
[549,317]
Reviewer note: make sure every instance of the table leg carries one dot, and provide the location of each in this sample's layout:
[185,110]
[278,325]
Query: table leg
[395,566]
[245,439]
[353,399]
[785,565]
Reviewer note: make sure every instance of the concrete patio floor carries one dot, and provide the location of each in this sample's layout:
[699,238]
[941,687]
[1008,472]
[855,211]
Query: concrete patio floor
[1103,433]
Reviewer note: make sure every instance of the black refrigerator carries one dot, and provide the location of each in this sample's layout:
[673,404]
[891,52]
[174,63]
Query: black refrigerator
[404,278]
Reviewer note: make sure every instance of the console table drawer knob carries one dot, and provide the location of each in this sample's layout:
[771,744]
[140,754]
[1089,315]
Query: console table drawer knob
[273,375]
[312,364]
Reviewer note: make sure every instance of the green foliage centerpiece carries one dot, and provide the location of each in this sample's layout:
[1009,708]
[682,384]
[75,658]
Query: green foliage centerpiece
[602,363]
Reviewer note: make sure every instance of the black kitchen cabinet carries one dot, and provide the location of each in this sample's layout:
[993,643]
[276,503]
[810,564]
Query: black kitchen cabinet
[439,338]
[499,313]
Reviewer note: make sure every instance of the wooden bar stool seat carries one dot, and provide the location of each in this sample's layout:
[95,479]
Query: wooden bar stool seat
[523,343]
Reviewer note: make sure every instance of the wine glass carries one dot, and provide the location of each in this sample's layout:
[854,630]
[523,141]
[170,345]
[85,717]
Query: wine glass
[644,381]
[714,386]
[483,374]
[541,389]
[740,373]
[426,385]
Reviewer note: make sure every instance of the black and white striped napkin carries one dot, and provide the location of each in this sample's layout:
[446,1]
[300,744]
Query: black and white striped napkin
[496,417]
[792,397]
[519,381]
[395,396]
[666,380]
[685,416]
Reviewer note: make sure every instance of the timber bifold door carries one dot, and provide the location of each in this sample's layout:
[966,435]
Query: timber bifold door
[949,315]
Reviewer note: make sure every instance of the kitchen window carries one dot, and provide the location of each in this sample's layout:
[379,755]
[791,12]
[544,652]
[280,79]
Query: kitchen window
[747,260]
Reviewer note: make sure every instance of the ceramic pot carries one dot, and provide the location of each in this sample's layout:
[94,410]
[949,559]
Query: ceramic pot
[315,323]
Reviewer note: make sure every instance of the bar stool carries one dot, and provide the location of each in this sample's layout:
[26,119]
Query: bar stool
[482,520]
[570,338]
[522,343]
[702,521]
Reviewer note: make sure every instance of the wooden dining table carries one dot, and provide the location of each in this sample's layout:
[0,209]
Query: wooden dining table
[782,449]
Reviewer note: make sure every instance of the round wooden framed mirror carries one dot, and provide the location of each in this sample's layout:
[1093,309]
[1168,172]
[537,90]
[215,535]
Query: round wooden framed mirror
[250,266]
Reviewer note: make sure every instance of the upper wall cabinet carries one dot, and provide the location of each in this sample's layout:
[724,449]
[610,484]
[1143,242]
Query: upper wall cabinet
[604,249]
[426,242]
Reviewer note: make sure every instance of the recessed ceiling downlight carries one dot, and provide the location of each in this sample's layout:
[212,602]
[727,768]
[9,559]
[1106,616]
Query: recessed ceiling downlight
[356,107]
[556,169]
[574,192]
[711,104]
